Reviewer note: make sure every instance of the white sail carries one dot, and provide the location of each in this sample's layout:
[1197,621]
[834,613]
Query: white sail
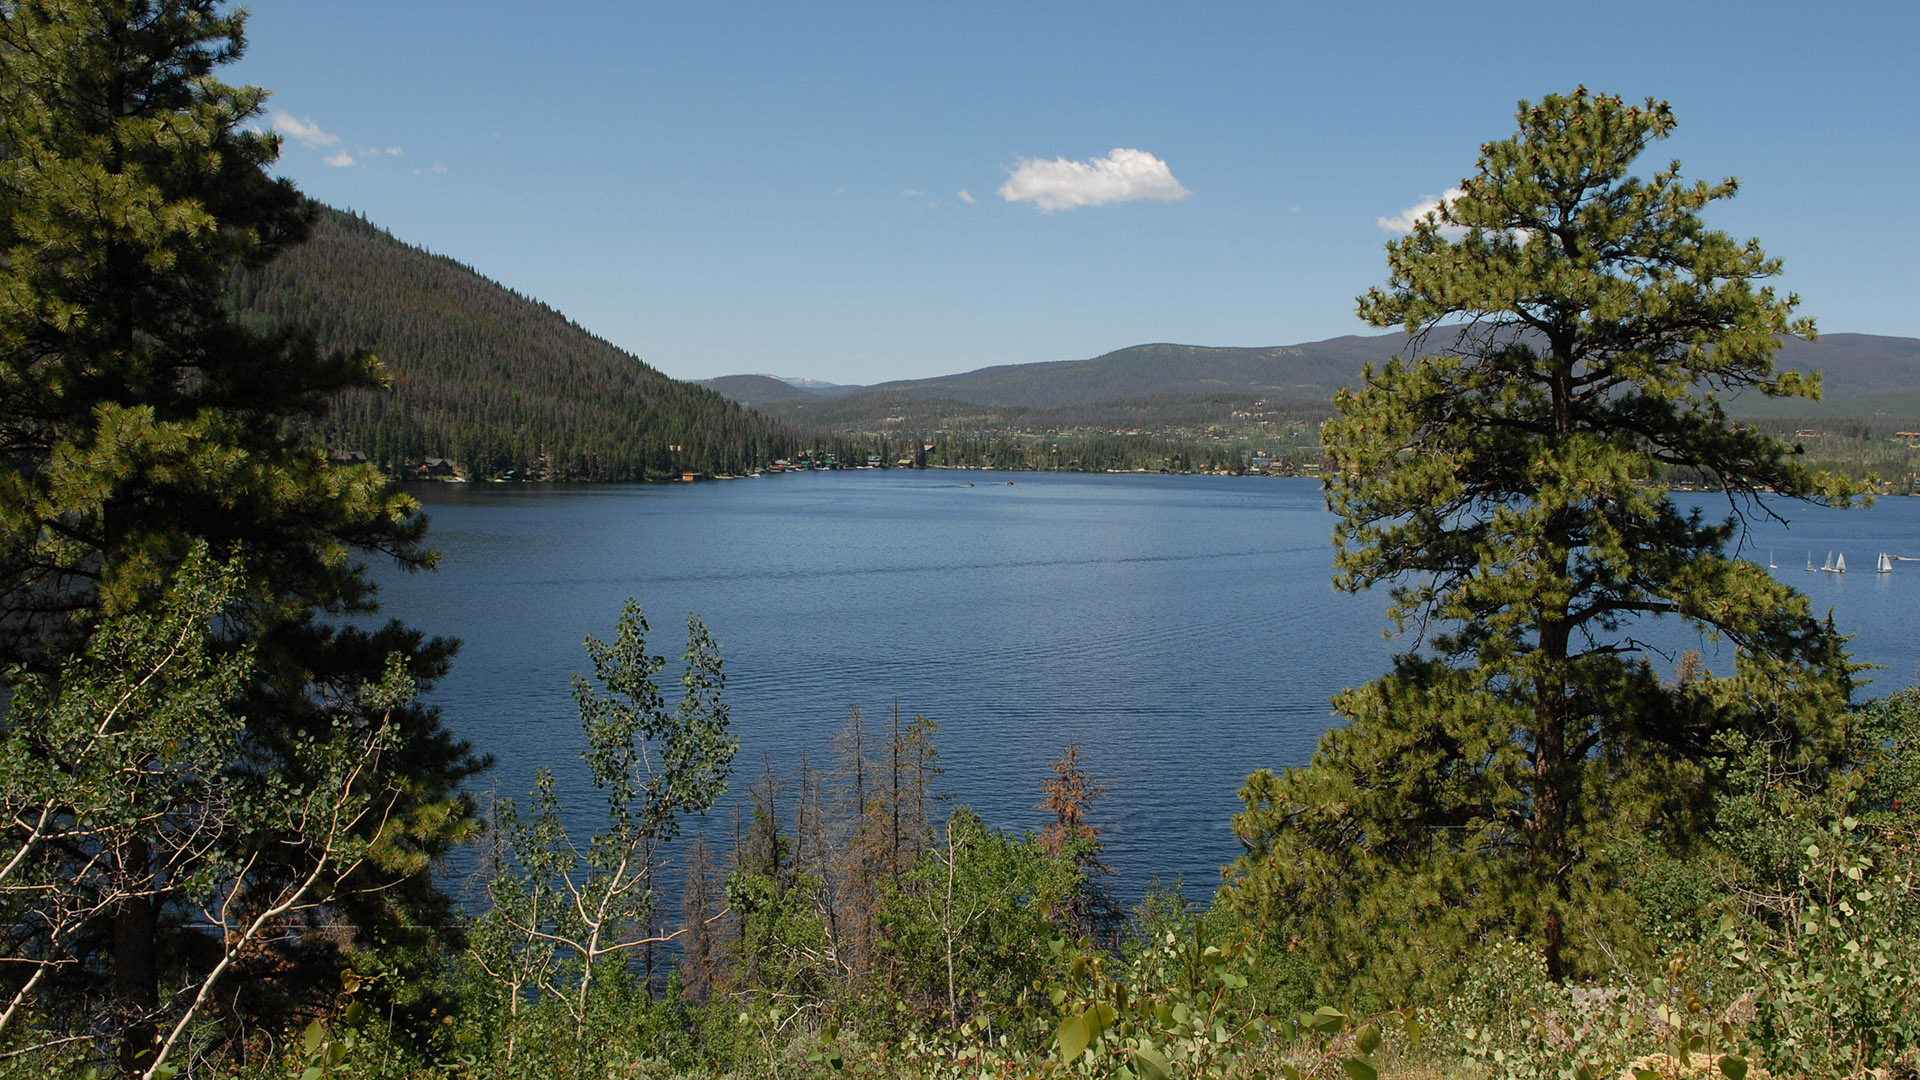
[1840,565]
[1886,564]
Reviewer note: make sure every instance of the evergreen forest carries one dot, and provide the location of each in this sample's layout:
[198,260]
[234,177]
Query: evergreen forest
[1522,851]
[499,383]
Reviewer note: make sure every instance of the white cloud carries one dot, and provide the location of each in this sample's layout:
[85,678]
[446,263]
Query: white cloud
[1121,176]
[912,193]
[305,132]
[437,167]
[965,197]
[1404,221]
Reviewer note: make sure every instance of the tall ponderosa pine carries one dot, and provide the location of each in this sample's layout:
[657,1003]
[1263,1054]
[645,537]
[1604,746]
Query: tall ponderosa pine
[1572,325]
[138,421]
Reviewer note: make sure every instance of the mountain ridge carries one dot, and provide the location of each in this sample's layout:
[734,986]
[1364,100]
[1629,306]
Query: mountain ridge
[1858,370]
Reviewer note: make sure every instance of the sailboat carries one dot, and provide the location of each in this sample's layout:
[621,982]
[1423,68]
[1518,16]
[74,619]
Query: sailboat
[1886,564]
[1828,567]
[1771,565]
[1840,565]
[1810,566]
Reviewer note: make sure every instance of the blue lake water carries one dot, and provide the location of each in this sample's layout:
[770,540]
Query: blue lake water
[1183,630]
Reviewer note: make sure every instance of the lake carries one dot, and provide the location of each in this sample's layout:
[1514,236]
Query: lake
[1182,629]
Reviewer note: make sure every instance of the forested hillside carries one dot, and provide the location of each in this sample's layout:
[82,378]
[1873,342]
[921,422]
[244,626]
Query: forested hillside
[500,384]
[1193,388]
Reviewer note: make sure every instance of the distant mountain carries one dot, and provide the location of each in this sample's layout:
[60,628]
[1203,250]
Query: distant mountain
[1856,367]
[1165,385]
[496,382]
[1313,370]
[755,391]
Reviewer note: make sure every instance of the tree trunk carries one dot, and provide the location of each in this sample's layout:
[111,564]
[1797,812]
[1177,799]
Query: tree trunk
[1550,797]
[136,982]
[1552,774]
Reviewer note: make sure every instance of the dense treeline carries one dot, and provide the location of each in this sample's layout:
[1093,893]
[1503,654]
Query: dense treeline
[498,383]
[1097,453]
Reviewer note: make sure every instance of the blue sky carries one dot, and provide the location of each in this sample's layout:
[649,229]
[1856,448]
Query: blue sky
[863,192]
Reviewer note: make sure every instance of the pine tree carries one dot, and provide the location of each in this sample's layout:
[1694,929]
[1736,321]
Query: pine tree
[1572,325]
[140,422]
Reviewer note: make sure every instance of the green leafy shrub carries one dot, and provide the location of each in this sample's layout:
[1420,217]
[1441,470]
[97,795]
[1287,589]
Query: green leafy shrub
[1825,926]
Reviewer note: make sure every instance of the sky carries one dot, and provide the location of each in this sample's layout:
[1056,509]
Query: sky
[863,192]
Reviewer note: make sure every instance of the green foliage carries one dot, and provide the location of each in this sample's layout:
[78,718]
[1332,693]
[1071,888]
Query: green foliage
[142,426]
[1798,964]
[564,921]
[1800,960]
[136,730]
[968,927]
[136,412]
[130,747]
[1508,1019]
[1826,869]
[655,765]
[1577,322]
[785,953]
